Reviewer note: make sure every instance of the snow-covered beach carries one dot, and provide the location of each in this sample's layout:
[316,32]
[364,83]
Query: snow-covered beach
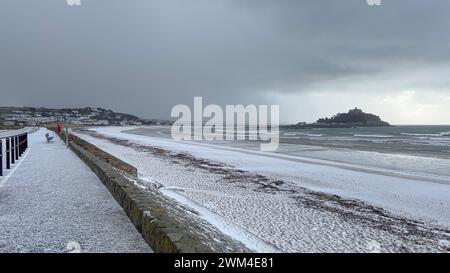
[289,203]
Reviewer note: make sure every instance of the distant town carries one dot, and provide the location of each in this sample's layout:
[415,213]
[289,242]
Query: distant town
[88,116]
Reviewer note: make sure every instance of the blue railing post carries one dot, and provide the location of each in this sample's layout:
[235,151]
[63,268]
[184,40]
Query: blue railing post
[8,154]
[19,139]
[20,145]
[1,157]
[13,152]
[24,142]
[17,147]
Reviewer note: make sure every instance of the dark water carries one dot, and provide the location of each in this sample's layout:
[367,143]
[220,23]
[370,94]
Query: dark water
[428,141]
[433,141]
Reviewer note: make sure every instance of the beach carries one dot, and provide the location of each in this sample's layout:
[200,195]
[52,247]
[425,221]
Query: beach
[302,198]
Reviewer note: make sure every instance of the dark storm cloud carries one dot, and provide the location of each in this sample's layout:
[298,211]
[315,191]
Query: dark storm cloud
[144,56]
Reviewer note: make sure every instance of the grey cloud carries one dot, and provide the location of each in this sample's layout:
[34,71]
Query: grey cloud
[143,56]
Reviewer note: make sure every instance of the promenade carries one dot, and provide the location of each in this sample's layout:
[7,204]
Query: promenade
[50,201]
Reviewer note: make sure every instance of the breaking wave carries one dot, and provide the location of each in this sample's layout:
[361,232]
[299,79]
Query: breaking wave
[377,136]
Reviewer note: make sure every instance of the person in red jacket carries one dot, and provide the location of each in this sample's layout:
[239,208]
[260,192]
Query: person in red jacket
[58,127]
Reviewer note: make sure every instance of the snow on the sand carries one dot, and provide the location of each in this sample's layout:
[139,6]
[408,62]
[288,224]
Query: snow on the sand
[288,218]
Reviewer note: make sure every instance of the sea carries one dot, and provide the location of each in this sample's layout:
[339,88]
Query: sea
[411,150]
[420,140]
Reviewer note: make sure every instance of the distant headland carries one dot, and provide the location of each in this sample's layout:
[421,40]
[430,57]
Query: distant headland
[353,118]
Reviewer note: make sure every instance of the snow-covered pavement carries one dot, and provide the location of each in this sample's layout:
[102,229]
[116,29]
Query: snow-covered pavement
[52,202]
[289,205]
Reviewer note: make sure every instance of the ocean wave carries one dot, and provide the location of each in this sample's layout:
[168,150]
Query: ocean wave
[290,135]
[440,138]
[441,134]
[311,135]
[433,138]
[378,136]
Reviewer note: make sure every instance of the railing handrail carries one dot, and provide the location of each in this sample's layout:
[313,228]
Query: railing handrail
[16,143]
[12,133]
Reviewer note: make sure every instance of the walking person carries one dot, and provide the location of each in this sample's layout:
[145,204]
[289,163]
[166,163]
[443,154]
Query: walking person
[58,127]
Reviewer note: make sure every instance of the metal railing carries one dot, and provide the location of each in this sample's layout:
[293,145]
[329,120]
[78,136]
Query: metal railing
[16,143]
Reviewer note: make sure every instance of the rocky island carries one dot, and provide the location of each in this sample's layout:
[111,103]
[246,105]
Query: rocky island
[353,118]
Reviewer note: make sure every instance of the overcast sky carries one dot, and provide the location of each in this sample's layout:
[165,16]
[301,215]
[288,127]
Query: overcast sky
[313,57]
